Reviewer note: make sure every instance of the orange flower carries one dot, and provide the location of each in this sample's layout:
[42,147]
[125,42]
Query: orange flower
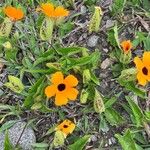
[14,13]
[62,88]
[60,12]
[126,46]
[67,127]
[143,68]
[49,10]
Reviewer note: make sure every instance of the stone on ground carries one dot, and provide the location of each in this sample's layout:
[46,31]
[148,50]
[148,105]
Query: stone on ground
[27,138]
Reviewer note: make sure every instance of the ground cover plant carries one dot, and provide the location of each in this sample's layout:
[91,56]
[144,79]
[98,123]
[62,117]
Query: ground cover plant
[75,72]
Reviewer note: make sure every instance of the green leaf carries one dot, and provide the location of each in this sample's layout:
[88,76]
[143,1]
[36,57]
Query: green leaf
[42,71]
[43,58]
[146,5]
[98,102]
[103,124]
[118,6]
[110,102]
[15,84]
[73,62]
[136,2]
[137,112]
[147,43]
[94,78]
[66,27]
[10,54]
[40,145]
[80,143]
[7,125]
[141,38]
[95,20]
[113,117]
[51,130]
[7,144]
[29,99]
[116,36]
[126,141]
[113,36]
[131,87]
[70,50]
[140,138]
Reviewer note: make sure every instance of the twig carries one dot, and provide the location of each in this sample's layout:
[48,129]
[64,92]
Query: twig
[21,134]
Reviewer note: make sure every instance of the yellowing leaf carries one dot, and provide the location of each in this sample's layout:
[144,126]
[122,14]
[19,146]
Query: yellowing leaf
[84,96]
[59,139]
[46,29]
[7,45]
[5,27]
[95,20]
[128,75]
[86,76]
[14,84]
[98,102]
[36,106]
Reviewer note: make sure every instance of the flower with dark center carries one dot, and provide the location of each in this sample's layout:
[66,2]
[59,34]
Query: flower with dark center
[126,46]
[145,71]
[67,127]
[143,68]
[62,89]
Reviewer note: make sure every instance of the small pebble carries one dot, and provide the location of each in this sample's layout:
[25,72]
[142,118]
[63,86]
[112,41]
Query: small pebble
[105,50]
[92,41]
[93,138]
[106,63]
[83,9]
[109,24]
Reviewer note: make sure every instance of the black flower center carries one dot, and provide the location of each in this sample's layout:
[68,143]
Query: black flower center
[61,87]
[65,126]
[127,47]
[145,71]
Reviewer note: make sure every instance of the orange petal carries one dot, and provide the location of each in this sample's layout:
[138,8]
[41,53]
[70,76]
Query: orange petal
[138,62]
[61,12]
[141,79]
[48,9]
[60,99]
[148,76]
[72,93]
[14,13]
[71,81]
[50,91]
[57,78]
[146,58]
